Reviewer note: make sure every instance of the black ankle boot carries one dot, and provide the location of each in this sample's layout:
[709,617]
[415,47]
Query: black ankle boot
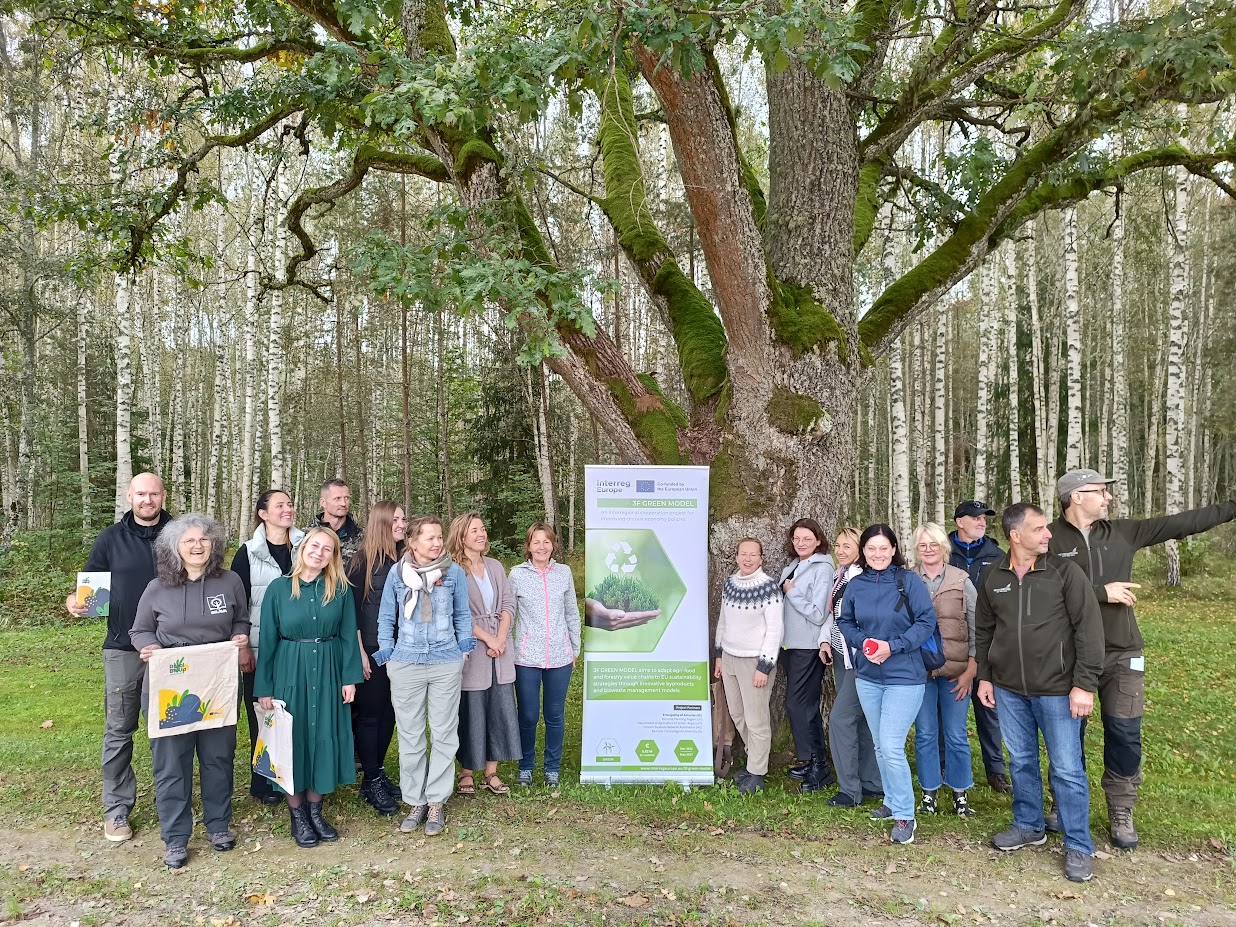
[302,829]
[320,825]
[819,775]
[374,793]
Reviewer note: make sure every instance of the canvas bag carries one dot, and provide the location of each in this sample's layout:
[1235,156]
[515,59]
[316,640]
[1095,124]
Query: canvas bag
[272,757]
[192,688]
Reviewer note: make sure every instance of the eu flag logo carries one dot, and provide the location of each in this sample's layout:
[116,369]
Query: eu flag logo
[645,485]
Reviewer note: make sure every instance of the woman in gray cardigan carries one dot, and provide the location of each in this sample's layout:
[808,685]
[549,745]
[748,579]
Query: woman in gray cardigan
[806,581]
[488,724]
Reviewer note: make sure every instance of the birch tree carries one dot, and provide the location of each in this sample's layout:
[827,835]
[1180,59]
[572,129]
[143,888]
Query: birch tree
[1175,425]
[1072,328]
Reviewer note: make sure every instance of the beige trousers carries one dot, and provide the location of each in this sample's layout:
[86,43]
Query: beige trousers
[749,708]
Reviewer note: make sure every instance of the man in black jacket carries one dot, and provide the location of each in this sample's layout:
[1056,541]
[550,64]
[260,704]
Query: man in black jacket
[1038,643]
[336,514]
[1104,550]
[973,551]
[126,550]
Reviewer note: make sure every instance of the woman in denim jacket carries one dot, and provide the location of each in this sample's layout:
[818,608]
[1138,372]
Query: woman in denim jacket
[427,594]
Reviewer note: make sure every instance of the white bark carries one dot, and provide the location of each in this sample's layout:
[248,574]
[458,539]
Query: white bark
[1038,380]
[986,368]
[179,325]
[274,353]
[124,389]
[248,372]
[1072,316]
[900,445]
[83,433]
[213,462]
[1174,444]
[544,466]
[1013,363]
[1120,376]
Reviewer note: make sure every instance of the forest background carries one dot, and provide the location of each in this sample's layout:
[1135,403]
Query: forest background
[237,252]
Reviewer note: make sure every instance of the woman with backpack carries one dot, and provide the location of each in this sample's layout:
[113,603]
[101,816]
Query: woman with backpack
[887,617]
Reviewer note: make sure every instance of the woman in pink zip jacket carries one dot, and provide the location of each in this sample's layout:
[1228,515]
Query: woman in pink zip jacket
[547,642]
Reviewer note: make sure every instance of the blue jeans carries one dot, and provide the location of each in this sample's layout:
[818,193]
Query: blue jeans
[941,708]
[1021,720]
[890,711]
[533,686]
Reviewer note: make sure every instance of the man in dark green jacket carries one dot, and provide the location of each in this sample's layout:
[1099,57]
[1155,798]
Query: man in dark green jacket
[1104,550]
[1038,642]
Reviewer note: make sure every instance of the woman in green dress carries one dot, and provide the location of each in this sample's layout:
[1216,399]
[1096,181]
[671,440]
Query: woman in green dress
[310,660]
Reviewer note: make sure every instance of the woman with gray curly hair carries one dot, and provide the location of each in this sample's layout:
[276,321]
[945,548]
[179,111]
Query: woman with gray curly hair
[194,600]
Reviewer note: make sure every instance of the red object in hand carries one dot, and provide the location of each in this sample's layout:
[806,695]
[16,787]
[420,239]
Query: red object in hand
[870,647]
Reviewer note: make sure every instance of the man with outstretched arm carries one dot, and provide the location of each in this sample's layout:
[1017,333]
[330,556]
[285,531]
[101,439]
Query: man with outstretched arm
[1104,551]
[126,551]
[1038,642]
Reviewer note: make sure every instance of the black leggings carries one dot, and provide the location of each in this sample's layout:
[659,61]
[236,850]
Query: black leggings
[373,720]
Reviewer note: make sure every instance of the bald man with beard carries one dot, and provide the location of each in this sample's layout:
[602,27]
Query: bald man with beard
[126,551]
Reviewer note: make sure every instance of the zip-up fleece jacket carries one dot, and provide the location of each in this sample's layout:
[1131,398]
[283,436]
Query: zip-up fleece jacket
[445,639]
[1108,558]
[546,615]
[873,608]
[806,605]
[973,558]
[126,550]
[204,611]
[1041,635]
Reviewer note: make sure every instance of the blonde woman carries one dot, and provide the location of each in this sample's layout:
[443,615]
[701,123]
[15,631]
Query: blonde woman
[310,660]
[488,724]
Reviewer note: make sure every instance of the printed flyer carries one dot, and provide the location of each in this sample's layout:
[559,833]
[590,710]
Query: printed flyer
[646,652]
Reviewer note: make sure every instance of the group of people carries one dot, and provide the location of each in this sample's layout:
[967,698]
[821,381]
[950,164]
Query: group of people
[408,624]
[358,634]
[1031,635]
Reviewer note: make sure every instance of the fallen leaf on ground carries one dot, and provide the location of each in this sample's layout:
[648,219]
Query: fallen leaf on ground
[890,867]
[264,899]
[634,901]
[46,724]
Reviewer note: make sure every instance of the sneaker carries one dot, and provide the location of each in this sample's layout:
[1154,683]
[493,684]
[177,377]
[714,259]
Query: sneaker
[524,778]
[415,818]
[751,784]
[903,831]
[435,822]
[1123,833]
[929,802]
[1078,866]
[1014,838]
[176,857]
[551,779]
[843,800]
[961,805]
[1051,822]
[882,813]
[868,793]
[999,782]
[222,841]
[117,829]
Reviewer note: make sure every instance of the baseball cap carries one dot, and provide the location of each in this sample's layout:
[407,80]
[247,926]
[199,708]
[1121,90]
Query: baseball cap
[1076,479]
[973,508]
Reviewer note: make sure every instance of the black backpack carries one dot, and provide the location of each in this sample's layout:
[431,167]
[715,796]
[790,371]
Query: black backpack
[932,650]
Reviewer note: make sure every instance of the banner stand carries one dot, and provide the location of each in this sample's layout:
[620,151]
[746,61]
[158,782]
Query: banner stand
[646,716]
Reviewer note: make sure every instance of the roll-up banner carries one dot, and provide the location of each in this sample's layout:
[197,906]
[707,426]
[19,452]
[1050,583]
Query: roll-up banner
[646,714]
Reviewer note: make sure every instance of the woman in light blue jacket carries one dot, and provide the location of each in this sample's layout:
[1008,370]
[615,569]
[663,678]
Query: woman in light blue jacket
[807,582]
[427,594]
[547,643]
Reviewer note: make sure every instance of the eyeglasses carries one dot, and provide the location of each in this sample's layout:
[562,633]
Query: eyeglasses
[929,545]
[1103,491]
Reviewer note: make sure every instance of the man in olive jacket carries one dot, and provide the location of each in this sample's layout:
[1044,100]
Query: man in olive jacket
[1038,642]
[1104,550]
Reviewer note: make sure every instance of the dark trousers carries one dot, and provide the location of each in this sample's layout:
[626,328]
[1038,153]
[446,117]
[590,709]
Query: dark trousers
[1122,692]
[537,688]
[804,676]
[987,723]
[172,765]
[373,720]
[258,785]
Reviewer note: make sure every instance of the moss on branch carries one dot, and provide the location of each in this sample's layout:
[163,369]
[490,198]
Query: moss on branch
[734,487]
[653,423]
[697,332]
[792,413]
[800,322]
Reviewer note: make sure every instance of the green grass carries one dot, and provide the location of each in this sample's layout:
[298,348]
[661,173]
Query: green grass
[55,674]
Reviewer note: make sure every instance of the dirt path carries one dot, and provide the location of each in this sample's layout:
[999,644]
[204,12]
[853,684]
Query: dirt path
[556,867]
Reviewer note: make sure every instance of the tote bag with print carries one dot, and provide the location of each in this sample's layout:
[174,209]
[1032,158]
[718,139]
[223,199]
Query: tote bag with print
[272,757]
[192,688]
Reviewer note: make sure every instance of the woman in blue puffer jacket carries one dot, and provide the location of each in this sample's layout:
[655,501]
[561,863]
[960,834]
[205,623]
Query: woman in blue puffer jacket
[887,616]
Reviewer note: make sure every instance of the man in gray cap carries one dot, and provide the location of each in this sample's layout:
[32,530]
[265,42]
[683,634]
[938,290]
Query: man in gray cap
[1104,550]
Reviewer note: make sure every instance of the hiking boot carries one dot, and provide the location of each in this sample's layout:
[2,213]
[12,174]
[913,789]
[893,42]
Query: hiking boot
[415,818]
[903,831]
[435,822]
[882,813]
[524,778]
[176,857]
[389,789]
[819,775]
[321,826]
[1014,838]
[302,828]
[928,804]
[1123,833]
[799,773]
[844,800]
[1078,866]
[740,775]
[376,796]
[117,829]
[1051,822]
[751,784]
[960,805]
[999,782]
[222,841]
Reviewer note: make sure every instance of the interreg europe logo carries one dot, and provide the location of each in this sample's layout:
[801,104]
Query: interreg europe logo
[180,666]
[613,487]
[645,485]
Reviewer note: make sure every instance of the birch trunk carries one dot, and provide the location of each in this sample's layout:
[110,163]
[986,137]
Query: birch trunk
[178,410]
[1119,371]
[1014,365]
[937,430]
[1038,384]
[83,422]
[900,445]
[1174,444]
[249,371]
[213,463]
[986,364]
[1072,317]
[124,390]
[544,461]
[274,353]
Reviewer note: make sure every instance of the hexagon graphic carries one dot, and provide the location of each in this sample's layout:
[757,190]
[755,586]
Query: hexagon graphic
[631,591]
[686,751]
[646,750]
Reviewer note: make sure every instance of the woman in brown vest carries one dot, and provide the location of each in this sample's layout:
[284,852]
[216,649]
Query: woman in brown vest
[946,701]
